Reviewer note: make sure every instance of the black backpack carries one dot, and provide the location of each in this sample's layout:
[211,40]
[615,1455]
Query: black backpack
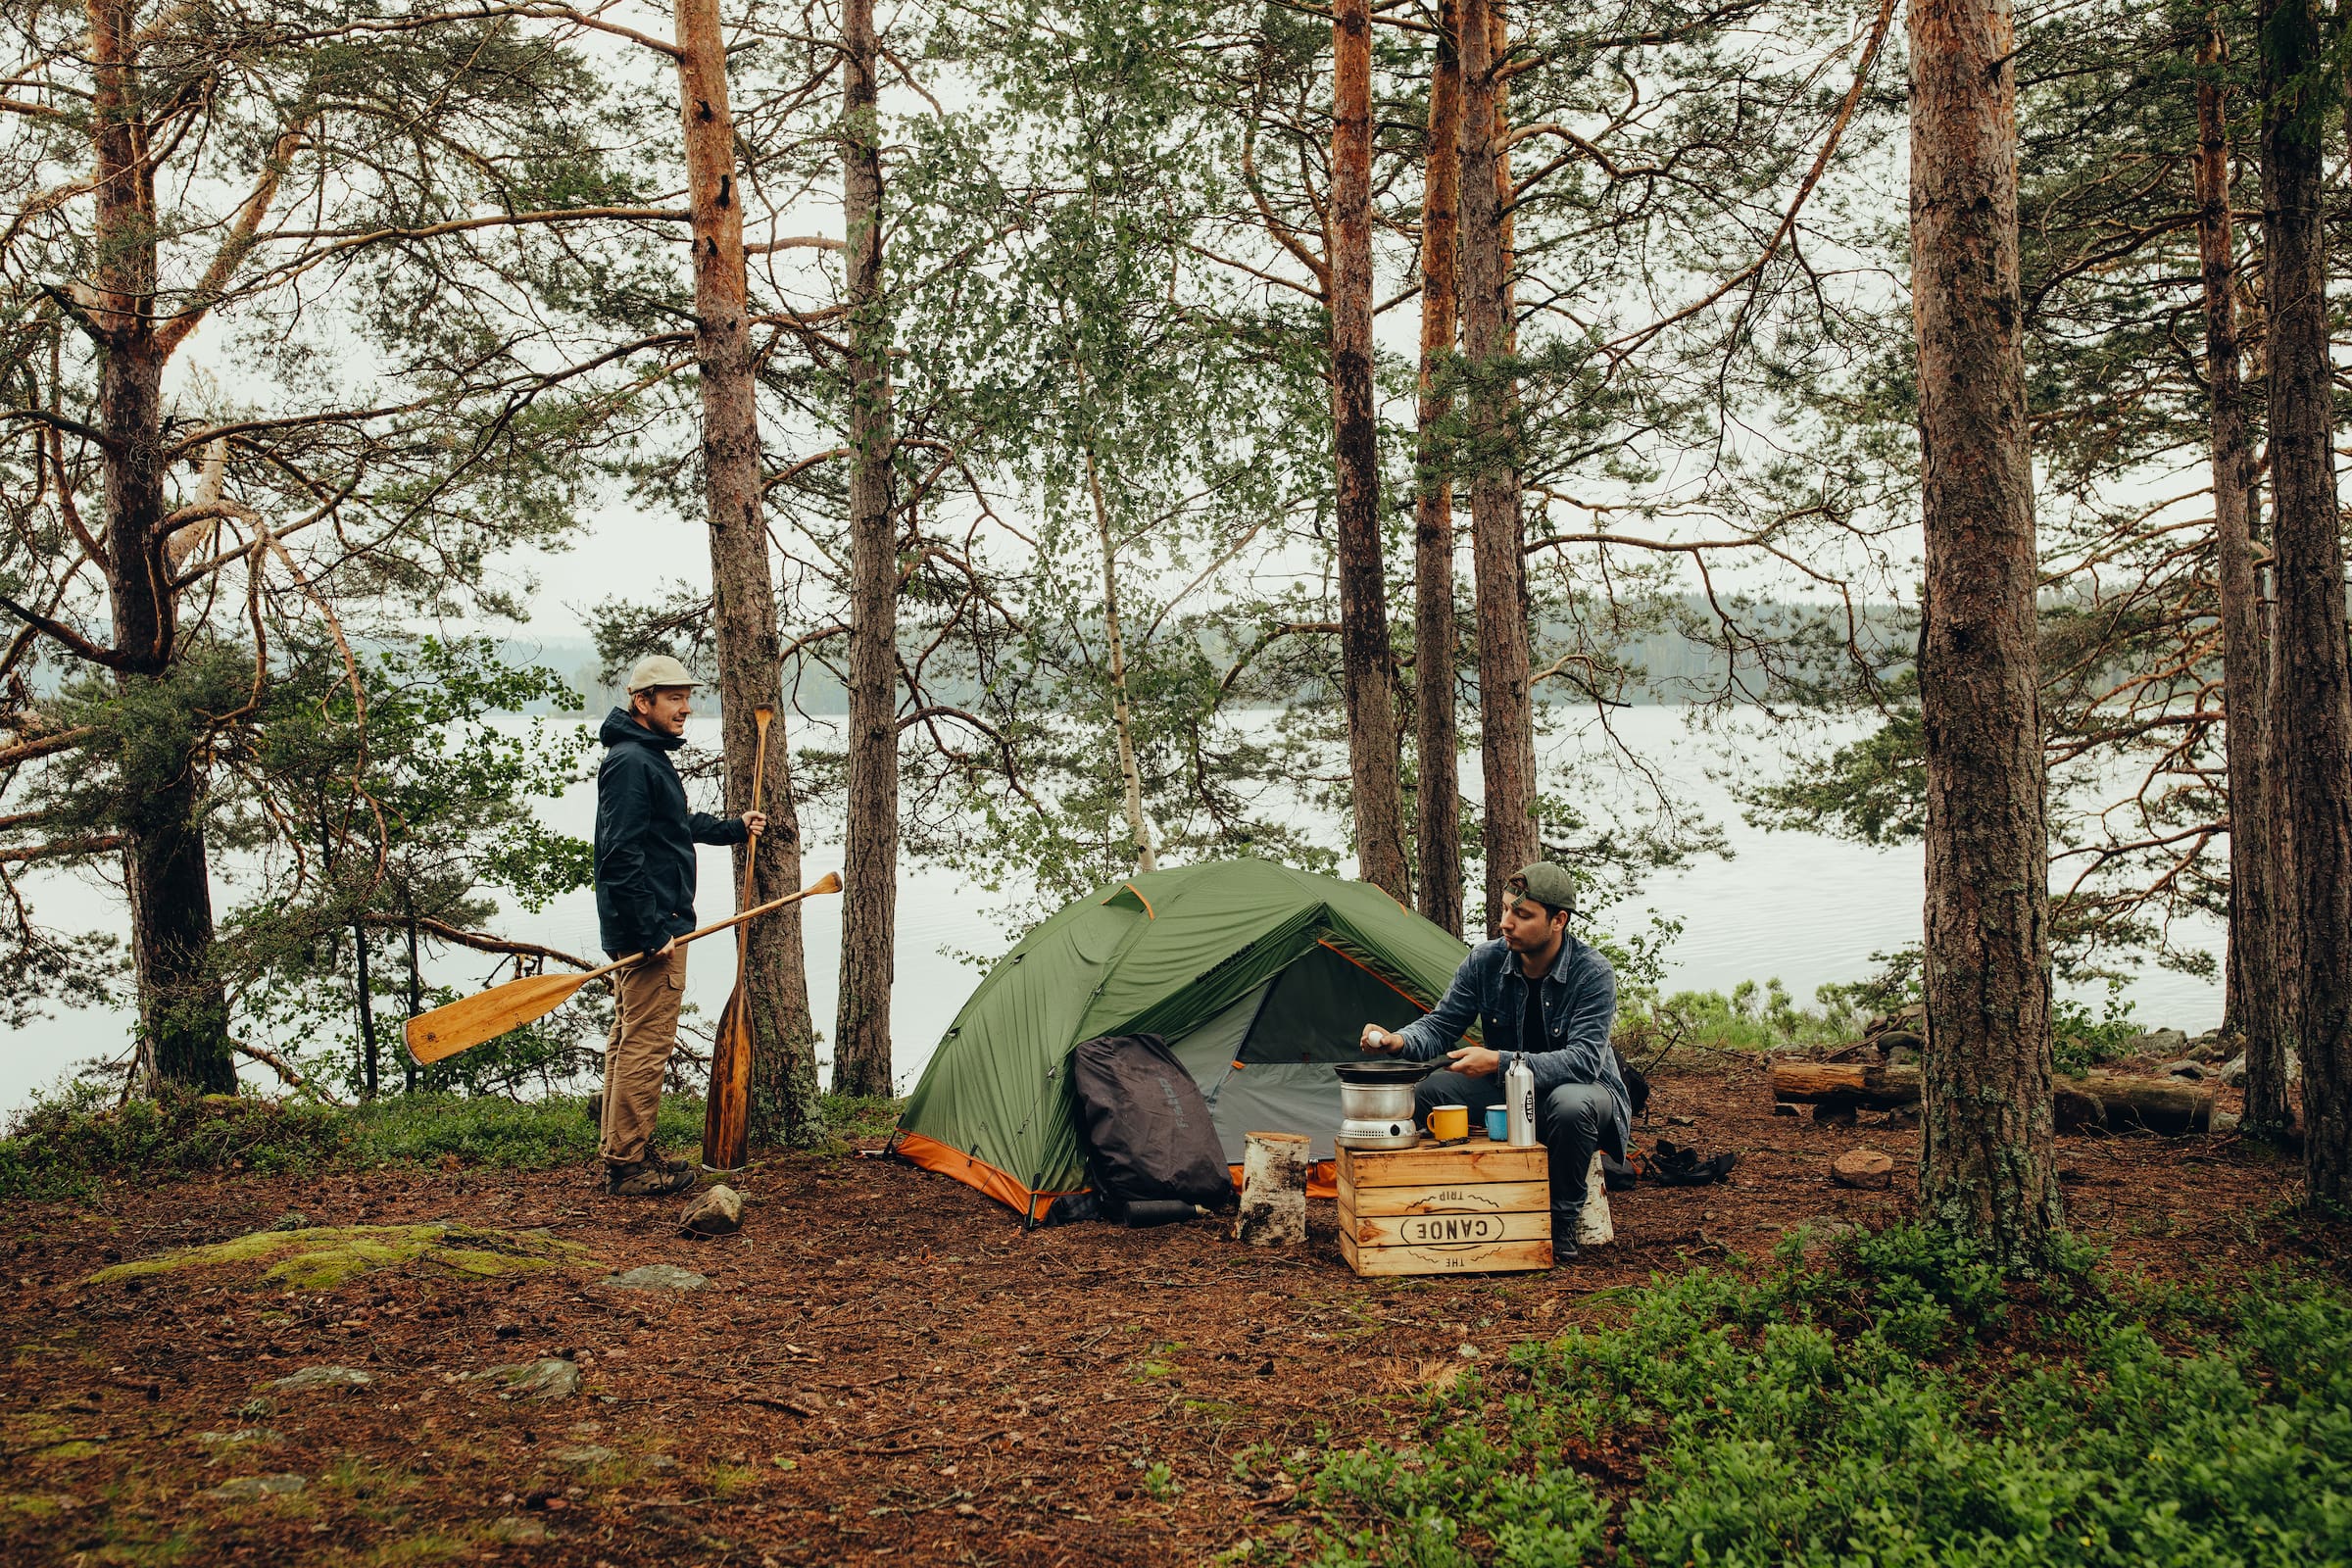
[1145,1128]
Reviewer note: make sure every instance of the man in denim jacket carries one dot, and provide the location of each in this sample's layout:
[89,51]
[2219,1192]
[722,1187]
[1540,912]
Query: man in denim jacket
[1540,993]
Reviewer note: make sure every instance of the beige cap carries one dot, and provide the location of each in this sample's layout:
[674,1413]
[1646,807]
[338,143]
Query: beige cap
[657,670]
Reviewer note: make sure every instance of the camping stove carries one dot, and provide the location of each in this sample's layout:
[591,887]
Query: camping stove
[1358,1133]
[1376,1102]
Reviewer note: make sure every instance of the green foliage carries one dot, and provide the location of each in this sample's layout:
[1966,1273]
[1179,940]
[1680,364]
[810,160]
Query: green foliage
[68,1145]
[2082,1041]
[1904,1404]
[1749,1019]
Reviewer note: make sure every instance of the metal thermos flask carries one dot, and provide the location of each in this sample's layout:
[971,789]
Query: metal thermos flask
[1519,1092]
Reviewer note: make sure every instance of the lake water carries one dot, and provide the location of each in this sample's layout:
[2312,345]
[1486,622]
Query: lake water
[1801,908]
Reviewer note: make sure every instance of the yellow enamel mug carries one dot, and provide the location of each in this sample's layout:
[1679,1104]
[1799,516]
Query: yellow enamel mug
[1449,1122]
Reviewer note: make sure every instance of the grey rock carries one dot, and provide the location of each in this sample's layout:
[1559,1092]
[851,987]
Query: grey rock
[659,1277]
[548,1379]
[240,1435]
[2226,1121]
[2234,1071]
[586,1455]
[251,1488]
[518,1529]
[293,1219]
[322,1377]
[2184,1068]
[2158,1043]
[715,1211]
[1902,1056]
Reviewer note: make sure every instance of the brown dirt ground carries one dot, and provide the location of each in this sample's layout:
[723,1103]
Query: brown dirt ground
[884,1367]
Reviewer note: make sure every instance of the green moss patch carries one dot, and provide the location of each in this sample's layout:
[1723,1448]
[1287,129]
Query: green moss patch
[322,1258]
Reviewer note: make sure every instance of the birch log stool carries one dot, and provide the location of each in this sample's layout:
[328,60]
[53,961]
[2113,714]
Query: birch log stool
[1592,1227]
[1274,1168]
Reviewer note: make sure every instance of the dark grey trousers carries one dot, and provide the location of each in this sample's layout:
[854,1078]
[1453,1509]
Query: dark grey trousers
[1571,1122]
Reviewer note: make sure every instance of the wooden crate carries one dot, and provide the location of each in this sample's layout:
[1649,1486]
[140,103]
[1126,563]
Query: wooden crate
[1477,1207]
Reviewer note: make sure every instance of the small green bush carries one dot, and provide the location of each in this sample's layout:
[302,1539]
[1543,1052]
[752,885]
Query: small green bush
[2080,1041]
[1906,1405]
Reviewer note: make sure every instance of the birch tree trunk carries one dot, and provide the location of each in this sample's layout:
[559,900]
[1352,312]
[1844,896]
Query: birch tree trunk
[1122,719]
[1985,1132]
[870,900]
[1438,807]
[743,592]
[2317,707]
[183,1011]
[1506,714]
[1367,667]
[2257,997]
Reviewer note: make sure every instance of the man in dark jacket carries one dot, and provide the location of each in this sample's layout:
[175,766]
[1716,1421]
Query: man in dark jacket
[645,839]
[1536,992]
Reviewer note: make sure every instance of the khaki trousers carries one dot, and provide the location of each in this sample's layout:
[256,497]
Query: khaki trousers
[645,1030]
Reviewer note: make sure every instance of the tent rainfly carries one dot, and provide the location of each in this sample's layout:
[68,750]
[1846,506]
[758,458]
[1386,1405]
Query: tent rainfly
[1258,977]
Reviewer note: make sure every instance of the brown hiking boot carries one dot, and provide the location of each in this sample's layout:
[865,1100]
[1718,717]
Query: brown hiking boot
[647,1178]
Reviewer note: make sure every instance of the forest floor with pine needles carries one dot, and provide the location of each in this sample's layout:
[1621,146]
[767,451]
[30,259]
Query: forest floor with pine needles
[884,1367]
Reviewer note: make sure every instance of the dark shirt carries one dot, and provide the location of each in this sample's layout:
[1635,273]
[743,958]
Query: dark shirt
[1560,1020]
[645,839]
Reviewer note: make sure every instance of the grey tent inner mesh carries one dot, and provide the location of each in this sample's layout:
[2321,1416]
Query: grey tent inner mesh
[1264,1062]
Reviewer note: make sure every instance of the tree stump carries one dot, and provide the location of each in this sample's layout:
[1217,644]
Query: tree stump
[1274,1167]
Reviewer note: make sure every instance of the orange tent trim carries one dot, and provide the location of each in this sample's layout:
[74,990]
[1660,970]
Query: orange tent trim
[1323,1180]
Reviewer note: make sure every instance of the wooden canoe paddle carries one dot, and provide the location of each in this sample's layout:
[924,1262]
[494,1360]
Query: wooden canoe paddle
[464,1024]
[727,1105]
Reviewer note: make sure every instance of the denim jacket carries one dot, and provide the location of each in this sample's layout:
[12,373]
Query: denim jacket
[1580,1004]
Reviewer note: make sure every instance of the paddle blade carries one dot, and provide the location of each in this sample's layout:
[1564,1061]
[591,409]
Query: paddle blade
[727,1109]
[464,1024]
[830,884]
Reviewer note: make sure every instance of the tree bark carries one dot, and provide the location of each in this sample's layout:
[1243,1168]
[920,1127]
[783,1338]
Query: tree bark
[870,903]
[1507,714]
[1122,718]
[184,1010]
[1438,804]
[364,989]
[2256,998]
[1986,1134]
[2317,706]
[408,1063]
[784,1109]
[1367,667]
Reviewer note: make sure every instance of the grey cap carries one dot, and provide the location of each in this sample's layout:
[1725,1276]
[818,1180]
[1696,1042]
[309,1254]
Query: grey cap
[1545,883]
[655,671]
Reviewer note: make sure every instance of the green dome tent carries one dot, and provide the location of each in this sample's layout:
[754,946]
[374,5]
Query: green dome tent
[1258,976]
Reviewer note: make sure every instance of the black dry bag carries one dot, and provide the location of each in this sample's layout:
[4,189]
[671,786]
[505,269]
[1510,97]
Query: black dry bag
[1146,1129]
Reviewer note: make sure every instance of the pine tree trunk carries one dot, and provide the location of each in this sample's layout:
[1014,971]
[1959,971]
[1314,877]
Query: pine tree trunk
[363,988]
[183,1011]
[1438,803]
[1986,1133]
[784,1109]
[1506,714]
[2256,1000]
[870,905]
[408,1063]
[1367,668]
[2316,708]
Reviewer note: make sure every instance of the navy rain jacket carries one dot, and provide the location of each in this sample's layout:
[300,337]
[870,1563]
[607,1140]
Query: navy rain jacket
[1580,1004]
[645,839]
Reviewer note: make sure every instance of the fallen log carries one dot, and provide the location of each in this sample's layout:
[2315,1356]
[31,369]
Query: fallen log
[2117,1102]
